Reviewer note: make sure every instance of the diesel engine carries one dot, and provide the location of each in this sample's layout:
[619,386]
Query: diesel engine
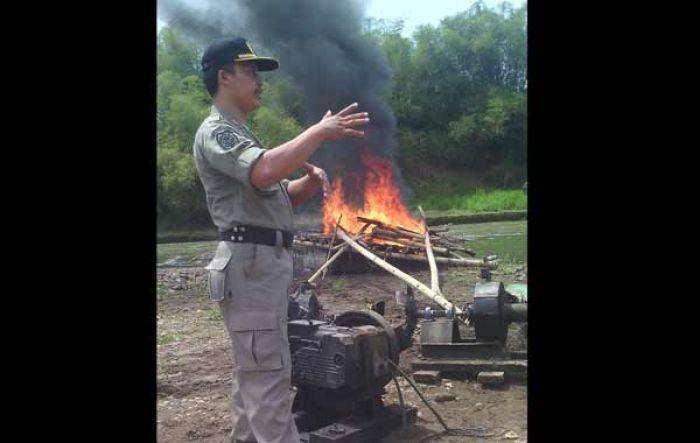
[340,365]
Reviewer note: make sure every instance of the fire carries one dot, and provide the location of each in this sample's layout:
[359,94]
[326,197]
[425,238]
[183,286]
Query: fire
[382,199]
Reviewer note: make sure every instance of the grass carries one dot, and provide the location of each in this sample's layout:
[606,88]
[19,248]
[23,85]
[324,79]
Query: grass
[339,284]
[508,240]
[213,314]
[472,201]
[164,339]
[188,250]
[185,235]
[161,291]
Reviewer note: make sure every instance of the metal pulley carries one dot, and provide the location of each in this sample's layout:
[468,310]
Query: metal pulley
[491,313]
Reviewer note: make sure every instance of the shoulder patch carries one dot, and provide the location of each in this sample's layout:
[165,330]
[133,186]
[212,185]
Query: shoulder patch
[227,139]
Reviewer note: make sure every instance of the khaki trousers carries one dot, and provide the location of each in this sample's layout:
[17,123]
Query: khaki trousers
[255,280]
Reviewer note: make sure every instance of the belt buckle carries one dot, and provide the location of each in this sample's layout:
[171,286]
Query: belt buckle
[287,239]
[238,233]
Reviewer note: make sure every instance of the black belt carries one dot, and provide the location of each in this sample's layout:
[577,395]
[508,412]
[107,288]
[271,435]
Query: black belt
[257,235]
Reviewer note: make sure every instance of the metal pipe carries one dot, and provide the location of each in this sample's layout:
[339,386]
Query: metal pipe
[515,312]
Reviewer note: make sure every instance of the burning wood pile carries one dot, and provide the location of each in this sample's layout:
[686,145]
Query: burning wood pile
[382,226]
[391,241]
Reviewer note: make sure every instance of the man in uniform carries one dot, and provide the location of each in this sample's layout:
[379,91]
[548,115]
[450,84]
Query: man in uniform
[250,202]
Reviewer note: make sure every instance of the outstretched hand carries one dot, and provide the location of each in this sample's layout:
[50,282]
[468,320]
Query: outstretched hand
[343,123]
[318,177]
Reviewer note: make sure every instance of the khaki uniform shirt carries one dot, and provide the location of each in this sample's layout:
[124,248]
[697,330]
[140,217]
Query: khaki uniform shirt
[224,153]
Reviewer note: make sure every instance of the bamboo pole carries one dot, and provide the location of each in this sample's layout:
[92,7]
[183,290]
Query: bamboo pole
[395,232]
[389,226]
[437,298]
[328,263]
[343,248]
[416,245]
[466,262]
[434,280]
[309,243]
[330,245]
[457,255]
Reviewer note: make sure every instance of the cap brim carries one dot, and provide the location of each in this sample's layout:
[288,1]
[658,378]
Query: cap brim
[263,63]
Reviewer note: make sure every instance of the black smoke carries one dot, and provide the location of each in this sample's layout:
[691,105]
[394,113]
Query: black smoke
[320,46]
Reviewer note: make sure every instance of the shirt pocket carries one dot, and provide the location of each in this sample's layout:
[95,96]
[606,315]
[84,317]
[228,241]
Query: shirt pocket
[219,285]
[256,341]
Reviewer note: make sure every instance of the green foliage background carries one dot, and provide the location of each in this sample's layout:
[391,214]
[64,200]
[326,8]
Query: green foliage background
[459,93]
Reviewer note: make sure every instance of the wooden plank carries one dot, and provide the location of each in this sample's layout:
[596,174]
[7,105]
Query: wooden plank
[513,369]
[427,377]
[490,378]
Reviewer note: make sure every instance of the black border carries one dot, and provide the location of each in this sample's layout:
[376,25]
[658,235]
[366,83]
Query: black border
[94,197]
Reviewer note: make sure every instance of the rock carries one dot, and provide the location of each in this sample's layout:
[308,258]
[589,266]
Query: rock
[444,397]
[510,435]
[209,379]
[490,378]
[427,377]
[479,406]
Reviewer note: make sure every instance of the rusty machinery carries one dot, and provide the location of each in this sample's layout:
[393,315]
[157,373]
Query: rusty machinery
[340,367]
[490,315]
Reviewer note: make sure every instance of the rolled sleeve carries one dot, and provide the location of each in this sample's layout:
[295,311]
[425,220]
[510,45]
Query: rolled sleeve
[232,153]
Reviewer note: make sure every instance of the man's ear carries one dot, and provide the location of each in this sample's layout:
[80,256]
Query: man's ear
[223,76]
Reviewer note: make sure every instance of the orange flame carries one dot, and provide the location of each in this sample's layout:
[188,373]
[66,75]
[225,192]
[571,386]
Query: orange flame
[382,199]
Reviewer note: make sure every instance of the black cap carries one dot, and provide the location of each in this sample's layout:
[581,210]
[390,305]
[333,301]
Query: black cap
[230,50]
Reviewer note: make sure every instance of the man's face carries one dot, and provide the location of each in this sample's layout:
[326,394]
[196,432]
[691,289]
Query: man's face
[244,86]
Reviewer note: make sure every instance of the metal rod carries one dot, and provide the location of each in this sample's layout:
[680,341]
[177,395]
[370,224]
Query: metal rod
[404,419]
[415,388]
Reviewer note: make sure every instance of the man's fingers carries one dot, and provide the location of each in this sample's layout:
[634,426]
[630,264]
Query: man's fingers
[327,114]
[355,116]
[356,122]
[326,187]
[347,109]
[354,133]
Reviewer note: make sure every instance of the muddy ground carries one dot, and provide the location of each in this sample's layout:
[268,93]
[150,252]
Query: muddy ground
[194,368]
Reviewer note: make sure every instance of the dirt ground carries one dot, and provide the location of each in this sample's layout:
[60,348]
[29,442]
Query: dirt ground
[194,368]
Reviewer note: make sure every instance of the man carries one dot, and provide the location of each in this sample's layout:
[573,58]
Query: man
[250,202]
